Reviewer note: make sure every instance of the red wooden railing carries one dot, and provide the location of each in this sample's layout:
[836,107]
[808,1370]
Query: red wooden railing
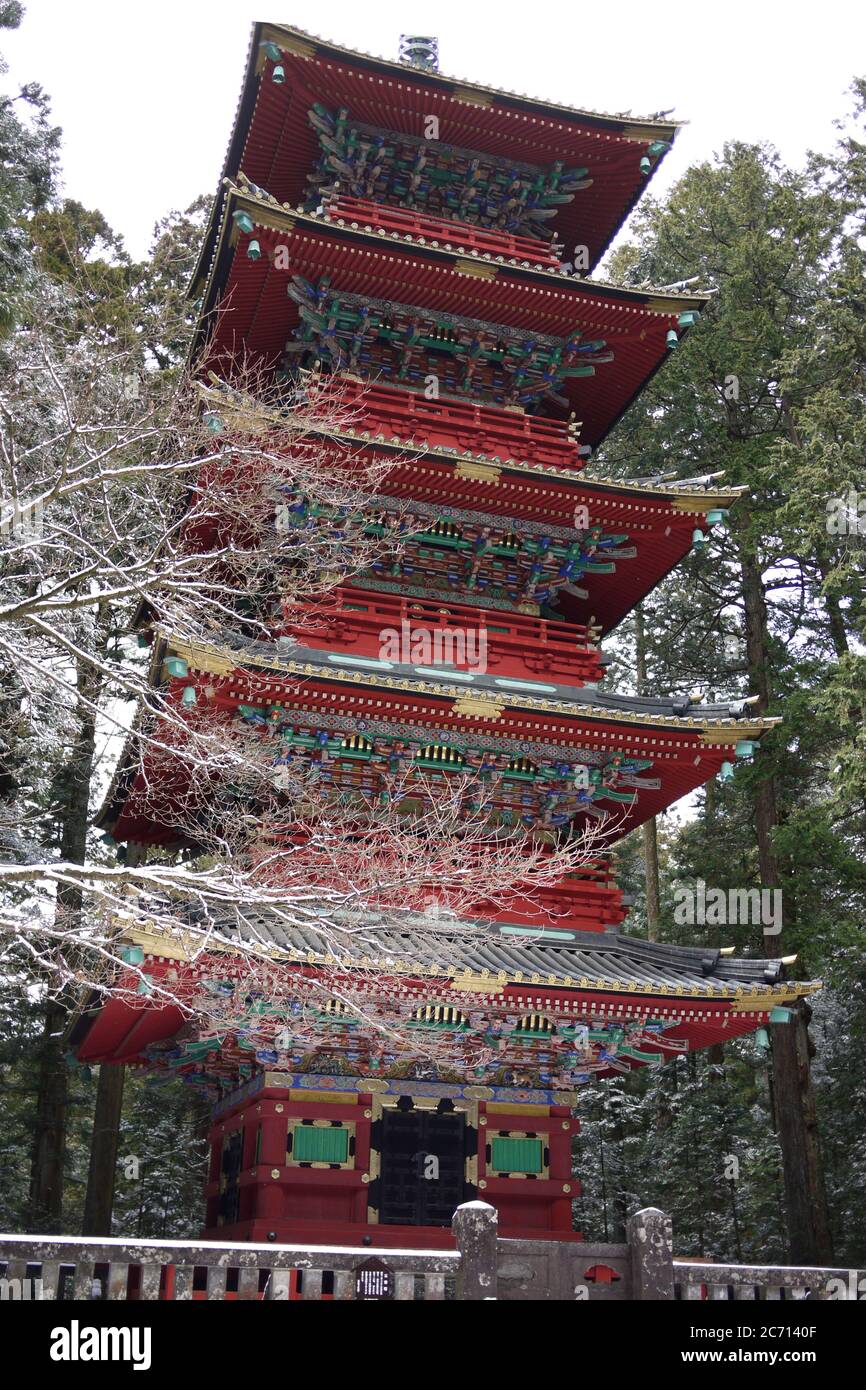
[588,900]
[514,644]
[456,236]
[465,426]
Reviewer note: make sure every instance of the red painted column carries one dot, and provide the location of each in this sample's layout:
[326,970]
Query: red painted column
[274,1123]
[562,1130]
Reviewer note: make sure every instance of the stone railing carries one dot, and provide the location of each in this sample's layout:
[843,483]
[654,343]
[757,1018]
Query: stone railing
[482,1267]
[60,1267]
[693,1279]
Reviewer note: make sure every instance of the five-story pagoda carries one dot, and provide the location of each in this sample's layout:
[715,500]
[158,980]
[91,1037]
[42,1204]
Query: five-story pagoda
[427,245]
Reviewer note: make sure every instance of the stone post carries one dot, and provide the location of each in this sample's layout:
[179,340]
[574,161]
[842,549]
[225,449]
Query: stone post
[650,1239]
[475,1229]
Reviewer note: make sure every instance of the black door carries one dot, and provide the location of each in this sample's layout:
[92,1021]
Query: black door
[422,1167]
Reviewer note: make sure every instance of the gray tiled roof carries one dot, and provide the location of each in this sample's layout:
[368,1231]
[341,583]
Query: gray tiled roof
[274,654]
[472,946]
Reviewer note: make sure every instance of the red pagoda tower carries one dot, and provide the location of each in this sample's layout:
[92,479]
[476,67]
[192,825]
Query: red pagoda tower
[427,245]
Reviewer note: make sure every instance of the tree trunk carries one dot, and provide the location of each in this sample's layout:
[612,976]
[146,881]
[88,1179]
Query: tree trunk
[649,839]
[808,1226]
[99,1199]
[49,1139]
[793,1092]
[649,829]
[835,616]
[45,1205]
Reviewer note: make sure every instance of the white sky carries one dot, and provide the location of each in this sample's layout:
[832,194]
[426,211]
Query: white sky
[146,94]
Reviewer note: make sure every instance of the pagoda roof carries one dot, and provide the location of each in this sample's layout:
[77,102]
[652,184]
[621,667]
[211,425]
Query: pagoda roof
[273,144]
[659,520]
[725,721]
[640,1001]
[685,742]
[246,308]
[464,948]
[691,738]
[659,516]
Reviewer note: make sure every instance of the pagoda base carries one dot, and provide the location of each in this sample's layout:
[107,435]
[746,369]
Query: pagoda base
[385,1171]
[372,1237]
